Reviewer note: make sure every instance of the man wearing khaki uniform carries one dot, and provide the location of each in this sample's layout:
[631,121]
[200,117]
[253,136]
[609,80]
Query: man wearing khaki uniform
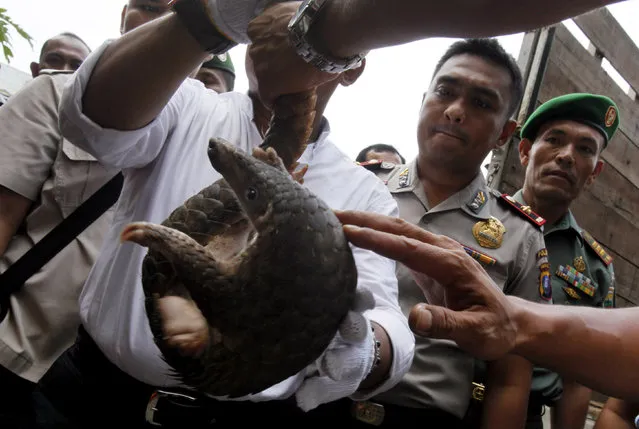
[464,115]
[43,178]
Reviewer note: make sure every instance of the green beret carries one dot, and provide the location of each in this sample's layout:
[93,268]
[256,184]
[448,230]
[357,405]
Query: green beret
[597,111]
[221,62]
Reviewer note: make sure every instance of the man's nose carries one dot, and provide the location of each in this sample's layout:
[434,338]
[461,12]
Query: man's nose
[455,112]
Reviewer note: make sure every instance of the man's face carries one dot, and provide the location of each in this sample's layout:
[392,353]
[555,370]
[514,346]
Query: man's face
[61,53]
[212,79]
[563,159]
[383,156]
[464,114]
[139,12]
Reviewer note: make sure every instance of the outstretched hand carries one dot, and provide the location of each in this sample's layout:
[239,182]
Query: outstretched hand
[466,307]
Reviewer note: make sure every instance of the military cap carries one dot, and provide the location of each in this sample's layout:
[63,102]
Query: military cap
[221,62]
[597,111]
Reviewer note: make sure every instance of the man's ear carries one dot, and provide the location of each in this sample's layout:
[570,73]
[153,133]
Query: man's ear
[35,69]
[524,151]
[350,76]
[124,9]
[506,132]
[596,172]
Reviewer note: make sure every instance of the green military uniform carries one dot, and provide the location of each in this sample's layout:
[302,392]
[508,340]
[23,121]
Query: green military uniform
[508,242]
[582,272]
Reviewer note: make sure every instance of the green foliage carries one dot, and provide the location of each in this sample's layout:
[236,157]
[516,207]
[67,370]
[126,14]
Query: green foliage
[6,23]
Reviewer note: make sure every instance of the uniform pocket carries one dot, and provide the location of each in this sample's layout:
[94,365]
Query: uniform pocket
[77,175]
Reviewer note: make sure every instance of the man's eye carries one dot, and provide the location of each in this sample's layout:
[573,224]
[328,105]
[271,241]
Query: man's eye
[482,104]
[442,91]
[151,9]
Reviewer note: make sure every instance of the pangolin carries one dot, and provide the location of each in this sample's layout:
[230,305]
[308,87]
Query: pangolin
[263,258]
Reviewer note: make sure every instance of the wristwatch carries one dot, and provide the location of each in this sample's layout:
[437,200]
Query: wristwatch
[298,29]
[195,18]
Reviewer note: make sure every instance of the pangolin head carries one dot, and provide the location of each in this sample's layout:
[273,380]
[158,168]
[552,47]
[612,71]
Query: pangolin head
[257,185]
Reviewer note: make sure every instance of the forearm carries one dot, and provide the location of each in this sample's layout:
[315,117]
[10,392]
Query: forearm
[507,392]
[13,209]
[348,27]
[139,72]
[572,409]
[573,340]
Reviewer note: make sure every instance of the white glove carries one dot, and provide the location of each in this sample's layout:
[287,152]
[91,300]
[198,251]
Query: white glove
[232,17]
[347,360]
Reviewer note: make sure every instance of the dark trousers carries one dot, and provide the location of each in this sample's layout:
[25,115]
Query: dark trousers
[534,419]
[15,398]
[83,389]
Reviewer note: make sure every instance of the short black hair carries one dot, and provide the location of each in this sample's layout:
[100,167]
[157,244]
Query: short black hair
[379,147]
[491,50]
[65,34]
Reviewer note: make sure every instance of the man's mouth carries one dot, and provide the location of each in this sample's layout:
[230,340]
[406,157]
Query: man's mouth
[562,174]
[456,134]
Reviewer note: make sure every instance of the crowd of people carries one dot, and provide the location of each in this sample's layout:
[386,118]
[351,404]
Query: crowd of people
[489,309]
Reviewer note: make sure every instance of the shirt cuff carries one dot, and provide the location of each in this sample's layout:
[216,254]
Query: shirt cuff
[15,182]
[403,347]
[232,17]
[108,146]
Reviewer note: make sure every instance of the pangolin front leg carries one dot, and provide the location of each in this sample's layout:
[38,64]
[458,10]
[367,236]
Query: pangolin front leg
[214,219]
[183,325]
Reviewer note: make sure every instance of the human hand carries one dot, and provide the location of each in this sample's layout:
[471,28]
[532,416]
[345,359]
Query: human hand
[472,310]
[278,69]
[347,360]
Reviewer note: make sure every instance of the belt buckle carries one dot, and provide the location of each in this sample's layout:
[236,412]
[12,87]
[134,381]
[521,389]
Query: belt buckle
[369,412]
[478,391]
[152,406]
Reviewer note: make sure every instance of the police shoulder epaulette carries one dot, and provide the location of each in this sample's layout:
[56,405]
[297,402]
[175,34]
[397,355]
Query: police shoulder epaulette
[598,248]
[376,164]
[525,211]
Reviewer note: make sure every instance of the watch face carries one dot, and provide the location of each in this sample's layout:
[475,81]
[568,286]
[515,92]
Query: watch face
[302,9]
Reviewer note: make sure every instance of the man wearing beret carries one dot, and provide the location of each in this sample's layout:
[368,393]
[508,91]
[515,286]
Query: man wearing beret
[561,147]
[217,73]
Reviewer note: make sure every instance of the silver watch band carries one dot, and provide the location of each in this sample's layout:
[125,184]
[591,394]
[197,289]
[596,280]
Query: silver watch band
[298,29]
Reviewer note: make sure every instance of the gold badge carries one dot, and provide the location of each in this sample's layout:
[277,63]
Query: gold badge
[368,412]
[580,264]
[404,178]
[611,115]
[489,233]
[571,292]
[479,391]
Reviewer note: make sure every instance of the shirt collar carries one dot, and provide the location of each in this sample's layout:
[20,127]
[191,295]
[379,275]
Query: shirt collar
[566,222]
[407,180]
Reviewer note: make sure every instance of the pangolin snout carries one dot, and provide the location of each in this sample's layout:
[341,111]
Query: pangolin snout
[213,151]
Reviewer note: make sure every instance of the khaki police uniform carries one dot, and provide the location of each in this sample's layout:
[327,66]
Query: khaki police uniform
[582,274]
[505,239]
[39,164]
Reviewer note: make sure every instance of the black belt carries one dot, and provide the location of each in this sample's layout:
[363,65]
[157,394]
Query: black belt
[170,408]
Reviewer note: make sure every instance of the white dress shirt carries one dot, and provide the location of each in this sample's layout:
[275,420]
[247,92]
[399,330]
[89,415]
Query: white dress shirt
[165,163]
